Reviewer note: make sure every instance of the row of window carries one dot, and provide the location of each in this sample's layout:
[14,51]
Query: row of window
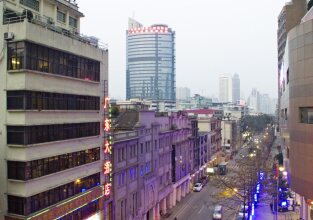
[28,100]
[121,177]
[34,4]
[37,168]
[26,55]
[133,151]
[26,206]
[24,135]
[83,212]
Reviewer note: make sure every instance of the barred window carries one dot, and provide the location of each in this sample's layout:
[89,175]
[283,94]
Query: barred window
[73,22]
[34,4]
[61,16]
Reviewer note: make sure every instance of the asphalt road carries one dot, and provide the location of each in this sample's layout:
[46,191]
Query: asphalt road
[200,205]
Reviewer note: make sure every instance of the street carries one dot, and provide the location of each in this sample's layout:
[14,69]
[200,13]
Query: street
[200,205]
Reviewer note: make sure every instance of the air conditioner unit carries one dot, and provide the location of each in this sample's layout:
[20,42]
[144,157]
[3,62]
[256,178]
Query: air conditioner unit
[8,36]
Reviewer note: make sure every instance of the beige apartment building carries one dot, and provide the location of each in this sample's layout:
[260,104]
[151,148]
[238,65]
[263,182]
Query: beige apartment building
[52,84]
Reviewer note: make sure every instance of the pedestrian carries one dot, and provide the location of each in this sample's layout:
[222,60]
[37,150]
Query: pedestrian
[271,205]
[175,218]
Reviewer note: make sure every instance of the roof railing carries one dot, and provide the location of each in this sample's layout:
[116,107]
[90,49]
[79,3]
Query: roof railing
[47,22]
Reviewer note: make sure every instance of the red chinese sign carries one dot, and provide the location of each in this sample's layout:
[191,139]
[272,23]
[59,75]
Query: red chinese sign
[107,189]
[107,167]
[107,148]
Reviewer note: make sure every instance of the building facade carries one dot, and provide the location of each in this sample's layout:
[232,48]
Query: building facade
[296,112]
[225,88]
[152,164]
[254,101]
[229,135]
[290,16]
[183,93]
[235,88]
[265,104]
[150,64]
[52,84]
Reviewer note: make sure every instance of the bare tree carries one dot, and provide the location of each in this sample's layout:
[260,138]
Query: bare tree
[240,185]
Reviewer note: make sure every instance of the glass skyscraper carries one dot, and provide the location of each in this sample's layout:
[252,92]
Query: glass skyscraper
[150,71]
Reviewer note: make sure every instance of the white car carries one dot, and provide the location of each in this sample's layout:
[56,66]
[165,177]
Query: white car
[217,213]
[197,187]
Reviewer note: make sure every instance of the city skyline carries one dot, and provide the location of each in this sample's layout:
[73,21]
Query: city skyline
[200,59]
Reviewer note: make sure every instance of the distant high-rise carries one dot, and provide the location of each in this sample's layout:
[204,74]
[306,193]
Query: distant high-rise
[235,88]
[182,93]
[254,101]
[265,104]
[225,88]
[150,64]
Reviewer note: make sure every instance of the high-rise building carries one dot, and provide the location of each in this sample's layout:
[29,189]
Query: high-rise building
[52,84]
[254,101]
[225,88]
[265,104]
[182,93]
[235,88]
[150,64]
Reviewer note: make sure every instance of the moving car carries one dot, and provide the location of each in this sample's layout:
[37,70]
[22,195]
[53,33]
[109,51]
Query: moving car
[197,187]
[218,212]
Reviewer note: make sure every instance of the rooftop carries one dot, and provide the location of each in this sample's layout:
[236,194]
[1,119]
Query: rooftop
[126,120]
[10,17]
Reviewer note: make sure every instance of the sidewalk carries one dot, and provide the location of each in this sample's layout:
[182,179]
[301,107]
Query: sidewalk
[263,211]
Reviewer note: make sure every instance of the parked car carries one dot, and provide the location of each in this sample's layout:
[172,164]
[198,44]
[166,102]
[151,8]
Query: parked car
[197,187]
[218,212]
[204,180]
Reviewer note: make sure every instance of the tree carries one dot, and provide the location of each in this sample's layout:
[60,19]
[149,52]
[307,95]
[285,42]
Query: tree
[241,184]
[256,123]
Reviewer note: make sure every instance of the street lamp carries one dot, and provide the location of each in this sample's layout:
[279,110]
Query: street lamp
[281,169]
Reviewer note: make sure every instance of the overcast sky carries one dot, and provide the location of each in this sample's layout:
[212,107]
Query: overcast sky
[212,38]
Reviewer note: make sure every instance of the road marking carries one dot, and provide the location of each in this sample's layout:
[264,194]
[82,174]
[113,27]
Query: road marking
[201,209]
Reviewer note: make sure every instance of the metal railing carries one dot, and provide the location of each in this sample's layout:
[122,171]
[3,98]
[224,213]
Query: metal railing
[46,22]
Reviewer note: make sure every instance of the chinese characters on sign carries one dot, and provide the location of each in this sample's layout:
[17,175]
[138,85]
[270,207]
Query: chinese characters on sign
[107,189]
[107,167]
[107,147]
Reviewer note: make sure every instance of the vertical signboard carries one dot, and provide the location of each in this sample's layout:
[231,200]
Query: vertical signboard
[107,144]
